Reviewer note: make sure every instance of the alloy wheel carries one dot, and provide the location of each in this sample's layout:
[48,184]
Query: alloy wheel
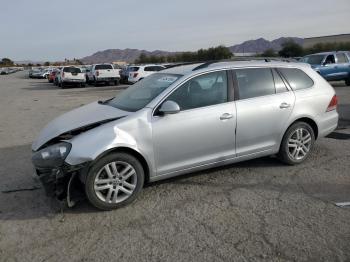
[115,182]
[299,143]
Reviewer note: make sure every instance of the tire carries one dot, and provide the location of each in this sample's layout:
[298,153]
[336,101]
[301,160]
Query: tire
[347,81]
[297,145]
[117,82]
[105,198]
[95,82]
[83,85]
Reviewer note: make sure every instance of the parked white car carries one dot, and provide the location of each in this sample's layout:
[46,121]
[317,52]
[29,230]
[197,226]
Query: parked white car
[71,75]
[105,73]
[137,73]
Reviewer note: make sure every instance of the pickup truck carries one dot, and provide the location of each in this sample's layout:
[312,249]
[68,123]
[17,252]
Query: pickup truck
[105,73]
[333,66]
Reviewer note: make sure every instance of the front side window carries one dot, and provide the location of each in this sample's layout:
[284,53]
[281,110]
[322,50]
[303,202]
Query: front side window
[142,93]
[296,78]
[204,90]
[255,82]
[330,59]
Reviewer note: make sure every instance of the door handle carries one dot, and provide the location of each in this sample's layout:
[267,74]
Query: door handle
[284,105]
[226,116]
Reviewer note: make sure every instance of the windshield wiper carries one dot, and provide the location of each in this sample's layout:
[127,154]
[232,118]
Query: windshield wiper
[104,102]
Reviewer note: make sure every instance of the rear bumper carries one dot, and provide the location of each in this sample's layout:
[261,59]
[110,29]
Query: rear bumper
[72,81]
[107,79]
[327,123]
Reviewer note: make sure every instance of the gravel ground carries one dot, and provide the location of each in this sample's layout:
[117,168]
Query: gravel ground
[259,210]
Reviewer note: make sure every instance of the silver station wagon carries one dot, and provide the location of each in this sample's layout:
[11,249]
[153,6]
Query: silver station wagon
[182,120]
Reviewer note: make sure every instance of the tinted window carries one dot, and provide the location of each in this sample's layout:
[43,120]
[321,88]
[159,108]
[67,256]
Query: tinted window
[255,82]
[140,94]
[103,67]
[342,58]
[71,70]
[313,59]
[330,59]
[296,78]
[133,69]
[200,91]
[280,86]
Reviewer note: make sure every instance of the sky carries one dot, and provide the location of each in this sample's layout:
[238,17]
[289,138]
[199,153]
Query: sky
[54,30]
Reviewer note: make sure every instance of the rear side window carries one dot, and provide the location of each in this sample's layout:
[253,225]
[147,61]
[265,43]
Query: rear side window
[342,58]
[255,82]
[296,78]
[103,67]
[72,70]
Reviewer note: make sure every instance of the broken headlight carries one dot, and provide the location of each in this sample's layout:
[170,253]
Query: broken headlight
[52,156]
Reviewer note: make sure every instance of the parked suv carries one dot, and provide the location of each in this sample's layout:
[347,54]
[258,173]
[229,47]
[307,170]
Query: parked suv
[71,75]
[105,73]
[181,120]
[137,73]
[331,65]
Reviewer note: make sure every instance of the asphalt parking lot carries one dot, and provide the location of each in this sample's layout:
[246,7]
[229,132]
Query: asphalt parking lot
[259,210]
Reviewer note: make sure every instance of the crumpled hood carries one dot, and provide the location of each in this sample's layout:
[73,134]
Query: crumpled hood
[80,117]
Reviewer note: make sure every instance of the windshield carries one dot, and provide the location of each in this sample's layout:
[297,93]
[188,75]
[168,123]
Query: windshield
[103,67]
[72,70]
[140,94]
[313,59]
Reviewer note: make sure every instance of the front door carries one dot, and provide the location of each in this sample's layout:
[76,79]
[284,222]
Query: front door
[202,132]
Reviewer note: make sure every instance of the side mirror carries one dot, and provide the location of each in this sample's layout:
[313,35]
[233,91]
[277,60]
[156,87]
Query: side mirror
[169,107]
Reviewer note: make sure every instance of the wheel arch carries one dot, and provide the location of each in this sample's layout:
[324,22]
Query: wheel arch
[129,151]
[307,120]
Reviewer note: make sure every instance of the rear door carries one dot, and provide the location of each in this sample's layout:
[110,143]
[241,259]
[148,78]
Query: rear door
[264,106]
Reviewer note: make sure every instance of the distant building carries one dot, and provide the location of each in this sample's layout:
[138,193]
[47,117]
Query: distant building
[245,54]
[311,41]
[120,63]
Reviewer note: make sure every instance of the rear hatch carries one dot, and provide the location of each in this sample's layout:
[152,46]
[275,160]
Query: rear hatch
[133,71]
[73,73]
[106,71]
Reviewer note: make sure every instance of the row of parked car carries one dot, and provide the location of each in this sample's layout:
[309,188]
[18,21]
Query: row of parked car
[94,74]
[10,70]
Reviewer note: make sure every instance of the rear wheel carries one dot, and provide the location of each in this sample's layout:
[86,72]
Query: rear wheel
[347,81]
[117,82]
[95,82]
[297,143]
[114,181]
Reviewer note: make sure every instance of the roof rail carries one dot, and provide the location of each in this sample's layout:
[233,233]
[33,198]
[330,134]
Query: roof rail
[206,64]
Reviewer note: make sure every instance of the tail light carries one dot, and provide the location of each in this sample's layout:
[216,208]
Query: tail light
[135,74]
[333,104]
[97,73]
[63,74]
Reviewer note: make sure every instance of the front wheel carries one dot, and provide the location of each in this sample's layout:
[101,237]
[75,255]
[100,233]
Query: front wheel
[114,181]
[297,143]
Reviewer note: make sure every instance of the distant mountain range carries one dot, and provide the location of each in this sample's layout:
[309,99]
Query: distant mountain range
[260,45]
[130,55]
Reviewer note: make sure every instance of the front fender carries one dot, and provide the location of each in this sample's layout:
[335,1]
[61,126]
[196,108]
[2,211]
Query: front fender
[134,134]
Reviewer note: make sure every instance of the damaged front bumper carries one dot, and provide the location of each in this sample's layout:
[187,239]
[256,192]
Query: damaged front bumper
[62,182]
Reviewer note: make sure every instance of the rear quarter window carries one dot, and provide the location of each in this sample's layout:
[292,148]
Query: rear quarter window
[296,78]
